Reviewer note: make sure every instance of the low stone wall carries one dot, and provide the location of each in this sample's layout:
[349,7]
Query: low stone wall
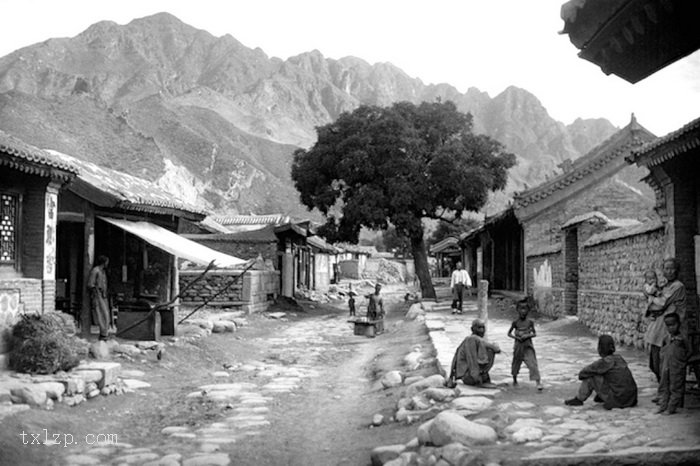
[611,275]
[618,314]
[254,292]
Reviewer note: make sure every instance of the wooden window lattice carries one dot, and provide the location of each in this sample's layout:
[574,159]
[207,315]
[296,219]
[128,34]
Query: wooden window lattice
[8,228]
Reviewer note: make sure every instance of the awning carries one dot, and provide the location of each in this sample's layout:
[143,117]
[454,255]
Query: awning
[176,244]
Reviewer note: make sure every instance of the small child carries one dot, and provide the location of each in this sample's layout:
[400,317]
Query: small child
[674,356]
[351,304]
[652,291]
[523,331]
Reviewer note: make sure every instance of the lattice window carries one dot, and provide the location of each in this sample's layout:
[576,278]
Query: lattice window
[9,205]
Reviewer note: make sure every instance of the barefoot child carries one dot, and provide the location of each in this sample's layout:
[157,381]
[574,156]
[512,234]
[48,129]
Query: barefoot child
[674,355]
[523,331]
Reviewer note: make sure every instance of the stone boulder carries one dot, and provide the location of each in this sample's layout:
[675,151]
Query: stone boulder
[527,434]
[449,427]
[384,454]
[472,403]
[223,326]
[416,310]
[29,394]
[438,394]
[435,380]
[412,360]
[99,350]
[392,379]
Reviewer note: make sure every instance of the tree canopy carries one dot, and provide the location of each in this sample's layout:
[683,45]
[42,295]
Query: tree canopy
[396,165]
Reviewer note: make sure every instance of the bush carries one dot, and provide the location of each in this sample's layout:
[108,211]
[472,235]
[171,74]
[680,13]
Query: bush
[40,345]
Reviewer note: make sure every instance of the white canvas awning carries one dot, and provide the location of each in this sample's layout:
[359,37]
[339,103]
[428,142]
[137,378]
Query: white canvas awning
[175,244]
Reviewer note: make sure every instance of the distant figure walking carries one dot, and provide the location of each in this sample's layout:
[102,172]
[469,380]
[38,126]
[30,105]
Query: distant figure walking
[460,280]
[97,288]
[609,377]
[522,330]
[351,304]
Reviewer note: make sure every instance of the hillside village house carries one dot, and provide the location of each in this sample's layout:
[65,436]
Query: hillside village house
[674,165]
[634,39]
[352,259]
[580,242]
[30,180]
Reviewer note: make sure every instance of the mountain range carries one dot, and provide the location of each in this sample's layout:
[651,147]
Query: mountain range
[216,122]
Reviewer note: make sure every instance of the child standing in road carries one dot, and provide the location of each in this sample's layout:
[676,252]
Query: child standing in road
[674,356]
[523,331]
[351,304]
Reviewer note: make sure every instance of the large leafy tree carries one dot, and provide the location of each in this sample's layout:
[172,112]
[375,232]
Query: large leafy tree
[396,165]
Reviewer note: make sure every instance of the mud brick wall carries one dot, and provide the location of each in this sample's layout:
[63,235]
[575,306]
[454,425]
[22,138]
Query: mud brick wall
[611,275]
[254,292]
[549,299]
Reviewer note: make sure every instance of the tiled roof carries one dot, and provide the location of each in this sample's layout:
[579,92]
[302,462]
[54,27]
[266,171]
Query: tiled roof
[610,223]
[25,152]
[265,234]
[322,244]
[357,249]
[271,219]
[445,244]
[667,147]
[631,136]
[624,232]
[127,191]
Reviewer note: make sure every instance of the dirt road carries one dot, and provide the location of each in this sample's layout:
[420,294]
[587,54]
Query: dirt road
[298,391]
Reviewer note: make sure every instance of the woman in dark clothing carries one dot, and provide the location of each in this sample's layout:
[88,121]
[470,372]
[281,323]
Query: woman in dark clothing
[609,377]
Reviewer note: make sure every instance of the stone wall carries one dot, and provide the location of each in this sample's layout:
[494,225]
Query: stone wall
[254,292]
[611,275]
[16,296]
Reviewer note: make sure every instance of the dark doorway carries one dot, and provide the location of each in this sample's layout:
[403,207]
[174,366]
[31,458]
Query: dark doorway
[69,267]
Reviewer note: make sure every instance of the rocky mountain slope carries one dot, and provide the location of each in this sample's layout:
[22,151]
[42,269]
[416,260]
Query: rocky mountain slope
[216,122]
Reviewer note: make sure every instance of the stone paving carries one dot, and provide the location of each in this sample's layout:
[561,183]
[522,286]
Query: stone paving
[546,426]
[297,348]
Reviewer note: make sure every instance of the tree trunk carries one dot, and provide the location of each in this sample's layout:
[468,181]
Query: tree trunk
[420,260]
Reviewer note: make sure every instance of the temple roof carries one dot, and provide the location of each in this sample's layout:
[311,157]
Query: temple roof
[30,159]
[667,147]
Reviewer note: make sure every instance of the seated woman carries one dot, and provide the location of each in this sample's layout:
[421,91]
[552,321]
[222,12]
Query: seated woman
[609,377]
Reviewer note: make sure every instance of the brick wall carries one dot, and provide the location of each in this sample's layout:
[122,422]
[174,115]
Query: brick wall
[17,296]
[611,275]
[253,293]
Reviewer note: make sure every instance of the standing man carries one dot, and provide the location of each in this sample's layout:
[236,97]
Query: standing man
[474,358]
[460,280]
[99,303]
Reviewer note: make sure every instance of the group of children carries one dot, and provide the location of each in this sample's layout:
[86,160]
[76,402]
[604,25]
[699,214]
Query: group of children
[609,376]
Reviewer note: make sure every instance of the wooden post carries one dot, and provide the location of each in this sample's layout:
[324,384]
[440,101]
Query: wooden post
[482,301]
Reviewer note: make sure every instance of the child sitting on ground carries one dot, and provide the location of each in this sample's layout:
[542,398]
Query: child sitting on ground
[674,356]
[523,331]
[653,293]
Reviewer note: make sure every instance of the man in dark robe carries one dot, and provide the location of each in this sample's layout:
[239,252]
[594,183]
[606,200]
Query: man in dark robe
[609,377]
[99,303]
[474,358]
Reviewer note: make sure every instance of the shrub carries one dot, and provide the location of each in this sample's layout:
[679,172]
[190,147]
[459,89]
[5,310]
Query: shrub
[40,345]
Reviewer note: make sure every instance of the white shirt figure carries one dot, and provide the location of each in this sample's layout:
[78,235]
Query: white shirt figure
[460,276]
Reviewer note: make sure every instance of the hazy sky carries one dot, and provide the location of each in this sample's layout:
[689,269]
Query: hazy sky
[487,44]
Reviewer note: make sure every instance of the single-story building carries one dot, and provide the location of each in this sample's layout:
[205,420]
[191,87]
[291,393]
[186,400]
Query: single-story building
[447,253]
[30,181]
